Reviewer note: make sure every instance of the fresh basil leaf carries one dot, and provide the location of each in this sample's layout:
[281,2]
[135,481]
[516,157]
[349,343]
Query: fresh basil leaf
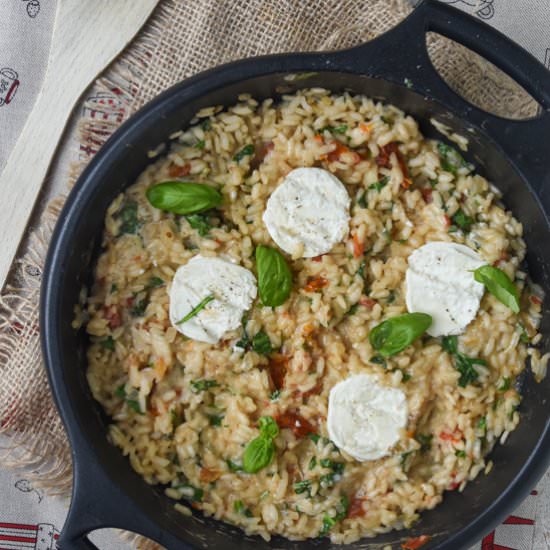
[128,217]
[183,197]
[268,427]
[499,285]
[274,276]
[246,151]
[258,454]
[195,311]
[200,223]
[202,385]
[395,334]
[463,221]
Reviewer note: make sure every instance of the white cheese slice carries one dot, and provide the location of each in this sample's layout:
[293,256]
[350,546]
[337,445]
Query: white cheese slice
[308,213]
[232,286]
[365,418]
[440,282]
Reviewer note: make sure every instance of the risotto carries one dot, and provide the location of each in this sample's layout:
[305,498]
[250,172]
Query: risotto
[236,426]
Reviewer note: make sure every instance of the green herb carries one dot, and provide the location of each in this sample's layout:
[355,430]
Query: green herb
[425,441]
[203,385]
[233,466]
[139,306]
[314,437]
[246,151]
[154,282]
[206,124]
[121,392]
[499,285]
[176,418]
[482,423]
[114,288]
[353,309]
[380,184]
[463,363]
[433,183]
[524,337]
[327,480]
[450,344]
[302,486]
[108,343]
[134,405]
[463,221]
[200,306]
[361,270]
[378,360]
[336,467]
[128,217]
[385,119]
[362,200]
[460,454]
[328,524]
[260,451]
[341,513]
[183,197]
[194,494]
[200,144]
[395,334]
[404,457]
[275,395]
[451,159]
[391,297]
[405,376]
[342,129]
[506,384]
[312,463]
[274,276]
[200,223]
[239,508]
[261,343]
[408,83]
[215,419]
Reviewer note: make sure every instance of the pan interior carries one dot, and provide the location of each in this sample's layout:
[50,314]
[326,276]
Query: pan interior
[79,243]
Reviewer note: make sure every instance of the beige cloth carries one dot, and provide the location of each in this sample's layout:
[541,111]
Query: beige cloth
[181,39]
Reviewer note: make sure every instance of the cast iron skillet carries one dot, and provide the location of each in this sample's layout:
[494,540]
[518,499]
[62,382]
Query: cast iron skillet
[513,154]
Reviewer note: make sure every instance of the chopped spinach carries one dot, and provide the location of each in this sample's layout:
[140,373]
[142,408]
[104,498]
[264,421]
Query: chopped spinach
[108,343]
[246,151]
[451,160]
[275,395]
[202,385]
[139,306]
[506,384]
[460,219]
[460,454]
[380,184]
[215,419]
[302,486]
[341,129]
[128,217]
[199,222]
[312,463]
[463,364]
[240,508]
[154,282]
[261,343]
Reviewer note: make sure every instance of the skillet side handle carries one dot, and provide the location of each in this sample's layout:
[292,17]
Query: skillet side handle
[401,56]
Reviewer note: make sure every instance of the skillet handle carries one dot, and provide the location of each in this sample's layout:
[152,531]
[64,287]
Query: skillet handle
[401,56]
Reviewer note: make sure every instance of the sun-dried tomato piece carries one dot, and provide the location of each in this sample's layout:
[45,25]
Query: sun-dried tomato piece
[295,422]
[315,283]
[176,171]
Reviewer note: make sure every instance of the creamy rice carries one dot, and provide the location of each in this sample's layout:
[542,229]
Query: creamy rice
[142,370]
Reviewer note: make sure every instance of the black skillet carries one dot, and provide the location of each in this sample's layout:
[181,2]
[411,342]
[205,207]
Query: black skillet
[515,155]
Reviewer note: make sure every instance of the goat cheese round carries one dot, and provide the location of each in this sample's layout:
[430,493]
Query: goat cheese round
[365,418]
[231,289]
[440,282]
[308,213]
